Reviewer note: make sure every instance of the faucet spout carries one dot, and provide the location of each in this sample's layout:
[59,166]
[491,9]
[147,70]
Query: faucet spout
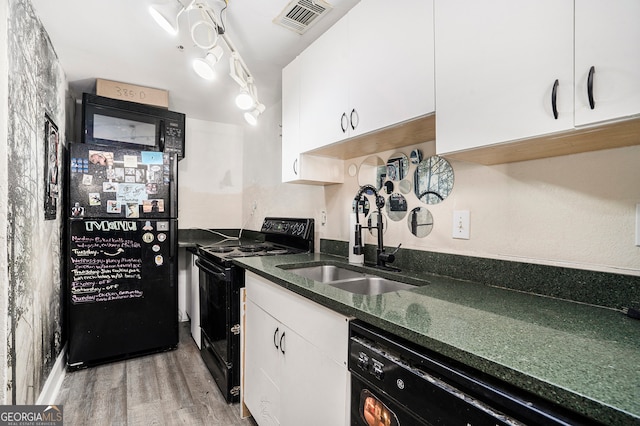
[382,258]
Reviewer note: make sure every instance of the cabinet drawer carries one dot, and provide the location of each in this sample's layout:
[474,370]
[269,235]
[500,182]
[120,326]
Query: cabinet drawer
[320,326]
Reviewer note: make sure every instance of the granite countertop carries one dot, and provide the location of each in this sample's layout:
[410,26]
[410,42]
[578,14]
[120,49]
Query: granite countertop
[196,237]
[584,357]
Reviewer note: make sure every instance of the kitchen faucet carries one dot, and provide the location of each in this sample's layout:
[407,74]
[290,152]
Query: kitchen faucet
[382,257]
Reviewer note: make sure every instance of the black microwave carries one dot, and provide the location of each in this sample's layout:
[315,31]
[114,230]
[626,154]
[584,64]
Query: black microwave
[110,122]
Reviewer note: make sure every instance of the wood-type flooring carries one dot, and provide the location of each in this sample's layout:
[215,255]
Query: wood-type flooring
[169,388]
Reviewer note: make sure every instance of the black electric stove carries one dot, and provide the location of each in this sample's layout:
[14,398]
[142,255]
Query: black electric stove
[220,283]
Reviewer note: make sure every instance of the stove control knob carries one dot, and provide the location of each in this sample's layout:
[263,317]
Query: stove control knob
[377,369]
[363,361]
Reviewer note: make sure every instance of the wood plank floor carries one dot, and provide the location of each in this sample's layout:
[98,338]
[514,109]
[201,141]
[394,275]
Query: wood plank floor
[170,388]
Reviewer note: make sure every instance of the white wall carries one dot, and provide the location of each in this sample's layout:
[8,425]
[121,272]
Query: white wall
[263,178]
[576,210]
[210,176]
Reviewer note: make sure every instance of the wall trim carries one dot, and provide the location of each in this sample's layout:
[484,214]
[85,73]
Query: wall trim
[52,386]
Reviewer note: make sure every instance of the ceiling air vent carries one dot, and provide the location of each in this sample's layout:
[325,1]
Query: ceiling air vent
[299,15]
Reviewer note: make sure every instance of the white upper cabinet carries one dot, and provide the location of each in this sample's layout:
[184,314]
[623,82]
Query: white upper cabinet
[298,167]
[497,63]
[391,66]
[291,121]
[372,69]
[323,88]
[607,38]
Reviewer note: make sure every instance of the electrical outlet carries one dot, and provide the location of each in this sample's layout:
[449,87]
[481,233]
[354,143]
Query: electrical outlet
[323,218]
[638,225]
[461,224]
[254,207]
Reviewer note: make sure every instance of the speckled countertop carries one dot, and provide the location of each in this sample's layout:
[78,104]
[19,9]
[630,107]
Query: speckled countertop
[583,357]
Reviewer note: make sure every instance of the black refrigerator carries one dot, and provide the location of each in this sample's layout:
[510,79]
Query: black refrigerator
[122,298]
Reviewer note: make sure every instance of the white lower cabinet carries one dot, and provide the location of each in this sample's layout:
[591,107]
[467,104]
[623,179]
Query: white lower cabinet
[295,370]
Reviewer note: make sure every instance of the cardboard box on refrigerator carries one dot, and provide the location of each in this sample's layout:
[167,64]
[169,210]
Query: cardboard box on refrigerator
[132,93]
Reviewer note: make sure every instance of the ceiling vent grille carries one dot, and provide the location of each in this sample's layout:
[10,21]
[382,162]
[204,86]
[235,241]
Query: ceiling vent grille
[299,15]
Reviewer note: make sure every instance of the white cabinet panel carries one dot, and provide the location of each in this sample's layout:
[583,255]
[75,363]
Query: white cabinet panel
[496,63]
[295,358]
[324,88]
[262,365]
[298,167]
[607,38]
[391,67]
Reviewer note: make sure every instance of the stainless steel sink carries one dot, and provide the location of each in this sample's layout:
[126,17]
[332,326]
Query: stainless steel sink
[326,273]
[349,280]
[370,285]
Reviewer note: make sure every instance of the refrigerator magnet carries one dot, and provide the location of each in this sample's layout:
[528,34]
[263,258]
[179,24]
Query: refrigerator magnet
[113,206]
[147,237]
[155,248]
[147,226]
[94,199]
[159,260]
[87,179]
[163,225]
[162,237]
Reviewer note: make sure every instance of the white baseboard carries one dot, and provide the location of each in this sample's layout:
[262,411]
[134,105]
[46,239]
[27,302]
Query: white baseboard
[54,381]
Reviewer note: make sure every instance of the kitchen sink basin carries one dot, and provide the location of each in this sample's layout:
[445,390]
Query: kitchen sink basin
[370,285]
[326,273]
[349,280]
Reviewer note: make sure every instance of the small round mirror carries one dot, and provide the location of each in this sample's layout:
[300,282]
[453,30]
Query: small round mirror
[372,222]
[420,222]
[397,167]
[352,170]
[416,156]
[363,206]
[373,171]
[433,180]
[405,186]
[396,207]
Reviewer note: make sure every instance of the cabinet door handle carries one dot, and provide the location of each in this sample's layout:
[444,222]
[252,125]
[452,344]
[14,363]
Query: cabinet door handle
[295,167]
[592,102]
[282,341]
[275,338]
[354,122]
[344,122]
[554,94]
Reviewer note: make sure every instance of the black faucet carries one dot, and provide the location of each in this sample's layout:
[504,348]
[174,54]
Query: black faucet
[382,257]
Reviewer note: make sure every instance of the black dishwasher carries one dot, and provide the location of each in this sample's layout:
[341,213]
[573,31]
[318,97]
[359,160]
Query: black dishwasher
[394,382]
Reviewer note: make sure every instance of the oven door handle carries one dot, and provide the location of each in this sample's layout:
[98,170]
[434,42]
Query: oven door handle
[208,268]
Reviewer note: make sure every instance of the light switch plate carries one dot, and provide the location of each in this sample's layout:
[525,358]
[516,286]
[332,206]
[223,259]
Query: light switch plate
[461,224]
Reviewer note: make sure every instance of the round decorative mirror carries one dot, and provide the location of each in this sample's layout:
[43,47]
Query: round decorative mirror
[396,207]
[352,170]
[420,222]
[397,167]
[373,171]
[372,222]
[363,206]
[405,186]
[416,156]
[433,180]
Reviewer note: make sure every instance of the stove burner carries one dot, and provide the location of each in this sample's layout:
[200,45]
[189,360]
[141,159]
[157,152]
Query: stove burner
[252,248]
[277,250]
[220,249]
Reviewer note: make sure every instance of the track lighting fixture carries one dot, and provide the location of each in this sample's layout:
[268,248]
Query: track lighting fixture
[204,67]
[166,15]
[252,116]
[206,33]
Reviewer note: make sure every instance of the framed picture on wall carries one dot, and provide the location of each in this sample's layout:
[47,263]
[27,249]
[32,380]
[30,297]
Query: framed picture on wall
[51,168]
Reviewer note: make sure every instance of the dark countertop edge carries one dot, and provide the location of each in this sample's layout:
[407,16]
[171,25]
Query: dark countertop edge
[571,400]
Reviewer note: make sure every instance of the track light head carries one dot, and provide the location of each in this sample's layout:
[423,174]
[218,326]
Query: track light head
[204,67]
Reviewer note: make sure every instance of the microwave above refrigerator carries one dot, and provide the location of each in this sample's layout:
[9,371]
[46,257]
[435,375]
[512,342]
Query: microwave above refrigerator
[113,122]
